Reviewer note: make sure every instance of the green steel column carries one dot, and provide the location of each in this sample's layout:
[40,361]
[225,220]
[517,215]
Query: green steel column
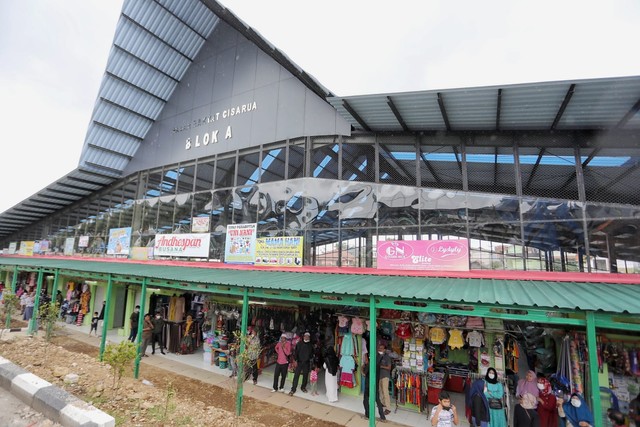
[56,276]
[373,361]
[592,349]
[33,323]
[14,280]
[105,321]
[143,297]
[243,334]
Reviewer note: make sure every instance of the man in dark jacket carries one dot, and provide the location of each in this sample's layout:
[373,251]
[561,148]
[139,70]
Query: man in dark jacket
[303,355]
[158,327]
[133,323]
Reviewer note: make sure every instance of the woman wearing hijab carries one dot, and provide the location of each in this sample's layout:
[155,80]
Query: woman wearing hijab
[575,412]
[528,385]
[331,363]
[547,410]
[479,404]
[495,397]
[524,414]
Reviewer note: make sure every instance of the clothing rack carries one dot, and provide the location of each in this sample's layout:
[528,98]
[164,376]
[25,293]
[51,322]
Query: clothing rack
[410,387]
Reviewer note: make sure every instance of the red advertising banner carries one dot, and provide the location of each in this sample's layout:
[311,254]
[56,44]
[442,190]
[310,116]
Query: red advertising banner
[441,255]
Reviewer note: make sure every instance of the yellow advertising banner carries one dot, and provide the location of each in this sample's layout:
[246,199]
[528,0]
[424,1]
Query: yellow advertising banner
[279,251]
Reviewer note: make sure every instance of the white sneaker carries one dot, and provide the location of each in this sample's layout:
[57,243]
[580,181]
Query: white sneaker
[273,391]
[282,390]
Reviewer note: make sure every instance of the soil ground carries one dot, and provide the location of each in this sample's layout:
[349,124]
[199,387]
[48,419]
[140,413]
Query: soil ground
[173,400]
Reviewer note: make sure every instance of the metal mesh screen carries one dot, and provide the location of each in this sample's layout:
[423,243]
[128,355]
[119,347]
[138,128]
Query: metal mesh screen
[611,175]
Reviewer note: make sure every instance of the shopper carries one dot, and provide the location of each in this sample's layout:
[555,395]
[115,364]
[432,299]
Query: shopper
[94,324]
[479,404]
[158,328]
[29,303]
[331,362]
[617,418]
[365,397]
[634,410]
[303,354]
[283,351]
[133,321]
[444,414]
[147,334]
[575,412]
[524,414]
[313,379]
[495,397]
[547,411]
[384,364]
[253,353]
[528,385]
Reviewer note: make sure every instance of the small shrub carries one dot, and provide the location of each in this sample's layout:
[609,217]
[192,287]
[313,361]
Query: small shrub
[119,357]
[49,316]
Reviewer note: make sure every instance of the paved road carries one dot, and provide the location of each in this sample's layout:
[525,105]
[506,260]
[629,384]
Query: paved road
[14,413]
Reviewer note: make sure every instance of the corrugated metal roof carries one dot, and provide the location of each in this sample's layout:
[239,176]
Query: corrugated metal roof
[590,104]
[608,297]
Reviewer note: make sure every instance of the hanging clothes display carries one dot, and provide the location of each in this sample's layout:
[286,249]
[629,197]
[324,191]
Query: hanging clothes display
[348,361]
[410,387]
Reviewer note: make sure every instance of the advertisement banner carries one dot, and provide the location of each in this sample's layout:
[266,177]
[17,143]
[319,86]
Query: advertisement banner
[12,248]
[26,247]
[44,246]
[69,243]
[200,224]
[432,255]
[182,245]
[279,251]
[240,245]
[119,240]
[83,241]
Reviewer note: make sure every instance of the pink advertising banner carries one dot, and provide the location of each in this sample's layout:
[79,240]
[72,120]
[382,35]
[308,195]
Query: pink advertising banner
[432,255]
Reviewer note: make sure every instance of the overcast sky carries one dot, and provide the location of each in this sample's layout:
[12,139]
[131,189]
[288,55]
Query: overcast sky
[53,54]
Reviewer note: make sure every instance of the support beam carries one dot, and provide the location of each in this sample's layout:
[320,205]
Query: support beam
[243,334]
[105,320]
[373,360]
[143,310]
[592,349]
[33,322]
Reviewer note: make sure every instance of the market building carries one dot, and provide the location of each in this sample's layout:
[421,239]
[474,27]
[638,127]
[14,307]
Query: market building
[219,179]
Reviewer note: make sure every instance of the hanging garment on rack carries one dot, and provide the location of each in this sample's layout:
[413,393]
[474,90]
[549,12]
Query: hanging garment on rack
[475,339]
[437,335]
[455,339]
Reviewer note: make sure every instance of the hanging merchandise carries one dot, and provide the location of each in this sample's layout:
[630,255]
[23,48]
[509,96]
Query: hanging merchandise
[357,328]
[455,339]
[437,335]
[419,331]
[403,331]
[348,361]
[576,373]
[410,388]
[475,339]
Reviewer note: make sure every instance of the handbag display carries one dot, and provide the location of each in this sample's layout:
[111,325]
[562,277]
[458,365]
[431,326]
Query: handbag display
[495,403]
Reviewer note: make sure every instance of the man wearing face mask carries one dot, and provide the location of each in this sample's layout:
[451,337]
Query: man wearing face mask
[303,355]
[444,414]
[158,327]
[384,364]
[575,412]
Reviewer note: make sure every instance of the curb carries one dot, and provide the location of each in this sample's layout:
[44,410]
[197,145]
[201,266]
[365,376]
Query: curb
[53,402]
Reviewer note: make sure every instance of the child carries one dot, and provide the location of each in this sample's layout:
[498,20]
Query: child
[313,379]
[94,323]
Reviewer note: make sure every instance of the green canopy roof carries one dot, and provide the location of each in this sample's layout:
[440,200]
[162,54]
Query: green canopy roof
[607,297]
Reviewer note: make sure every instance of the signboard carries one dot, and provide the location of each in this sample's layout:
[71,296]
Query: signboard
[240,246]
[69,243]
[200,224]
[83,241]
[119,240]
[12,247]
[182,245]
[279,251]
[432,255]
[26,247]
[44,246]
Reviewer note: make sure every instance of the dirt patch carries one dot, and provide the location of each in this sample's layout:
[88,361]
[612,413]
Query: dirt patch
[193,402]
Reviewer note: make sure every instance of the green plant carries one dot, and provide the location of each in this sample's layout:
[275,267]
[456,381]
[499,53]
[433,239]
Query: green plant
[119,356]
[10,305]
[49,316]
